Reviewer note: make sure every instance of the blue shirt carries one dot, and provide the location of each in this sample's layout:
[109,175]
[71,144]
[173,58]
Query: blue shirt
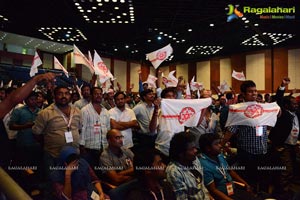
[213,171]
[22,116]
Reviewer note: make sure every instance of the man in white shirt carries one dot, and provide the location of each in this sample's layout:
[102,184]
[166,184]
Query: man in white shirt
[86,97]
[123,119]
[95,124]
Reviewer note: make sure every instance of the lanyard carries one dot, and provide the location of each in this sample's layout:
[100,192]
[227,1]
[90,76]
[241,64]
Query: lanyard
[223,172]
[161,193]
[68,122]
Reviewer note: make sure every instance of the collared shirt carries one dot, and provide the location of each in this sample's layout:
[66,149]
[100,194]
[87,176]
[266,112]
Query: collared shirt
[216,172]
[293,136]
[81,103]
[21,116]
[110,161]
[89,138]
[126,115]
[12,134]
[247,139]
[184,182]
[51,123]
[143,114]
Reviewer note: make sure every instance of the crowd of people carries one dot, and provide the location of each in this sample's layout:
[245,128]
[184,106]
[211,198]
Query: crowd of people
[117,145]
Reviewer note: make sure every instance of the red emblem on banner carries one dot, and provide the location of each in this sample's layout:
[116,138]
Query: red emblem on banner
[102,67]
[161,55]
[185,114]
[254,111]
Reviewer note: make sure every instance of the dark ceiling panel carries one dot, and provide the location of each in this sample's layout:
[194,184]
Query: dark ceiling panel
[109,26]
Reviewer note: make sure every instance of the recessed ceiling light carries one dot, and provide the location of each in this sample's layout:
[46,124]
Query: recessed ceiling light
[94,7]
[244,18]
[159,37]
[211,25]
[247,21]
[255,24]
[115,49]
[190,30]
[126,46]
[100,4]
[116,8]
[148,40]
[122,1]
[124,14]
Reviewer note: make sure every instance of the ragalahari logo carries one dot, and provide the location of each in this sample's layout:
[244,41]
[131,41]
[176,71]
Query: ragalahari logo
[233,12]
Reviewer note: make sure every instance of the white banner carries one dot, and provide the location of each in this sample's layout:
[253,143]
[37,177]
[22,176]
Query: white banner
[160,55]
[253,114]
[181,112]
[35,63]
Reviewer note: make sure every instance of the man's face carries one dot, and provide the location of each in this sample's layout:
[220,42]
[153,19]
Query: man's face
[251,94]
[97,96]
[216,147]
[170,95]
[31,101]
[40,99]
[2,95]
[293,105]
[62,97]
[191,152]
[120,101]
[149,97]
[116,139]
[86,92]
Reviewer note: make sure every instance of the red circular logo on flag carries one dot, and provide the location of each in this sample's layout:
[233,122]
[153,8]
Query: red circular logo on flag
[161,55]
[254,111]
[102,67]
[185,114]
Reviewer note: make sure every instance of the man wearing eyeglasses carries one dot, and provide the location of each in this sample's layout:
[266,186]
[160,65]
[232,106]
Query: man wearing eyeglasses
[116,160]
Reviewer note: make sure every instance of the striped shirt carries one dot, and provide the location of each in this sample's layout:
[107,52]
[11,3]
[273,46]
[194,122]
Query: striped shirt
[247,139]
[90,118]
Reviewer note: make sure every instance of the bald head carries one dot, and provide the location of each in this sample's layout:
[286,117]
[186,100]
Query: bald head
[114,138]
[112,133]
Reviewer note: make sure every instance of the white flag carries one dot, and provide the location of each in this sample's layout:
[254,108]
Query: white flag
[182,112]
[196,85]
[9,83]
[223,87]
[253,114]
[151,81]
[35,63]
[160,55]
[171,80]
[79,58]
[58,65]
[188,92]
[101,69]
[238,75]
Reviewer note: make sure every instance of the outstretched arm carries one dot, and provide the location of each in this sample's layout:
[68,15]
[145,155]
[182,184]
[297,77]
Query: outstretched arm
[21,93]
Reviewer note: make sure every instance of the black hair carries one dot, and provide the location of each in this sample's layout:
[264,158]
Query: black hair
[96,88]
[143,160]
[167,90]
[72,157]
[84,86]
[206,140]
[179,144]
[145,92]
[245,85]
[286,101]
[229,95]
[59,87]
[118,93]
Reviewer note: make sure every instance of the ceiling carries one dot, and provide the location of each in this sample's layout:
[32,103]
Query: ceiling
[128,29]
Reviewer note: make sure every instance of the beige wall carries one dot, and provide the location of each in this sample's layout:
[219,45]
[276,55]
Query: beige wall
[255,69]
[120,71]
[293,68]
[203,73]
[134,76]
[182,70]
[225,71]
